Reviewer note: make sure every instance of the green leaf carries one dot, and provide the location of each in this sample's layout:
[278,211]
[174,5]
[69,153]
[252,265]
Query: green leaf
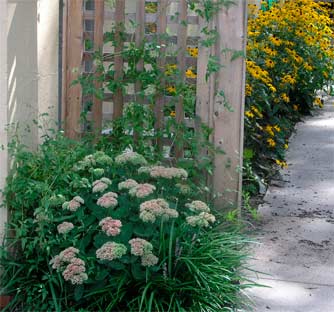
[78,292]
[248,153]
[101,275]
[138,271]
[126,233]
[100,239]
[116,265]
[85,241]
[143,231]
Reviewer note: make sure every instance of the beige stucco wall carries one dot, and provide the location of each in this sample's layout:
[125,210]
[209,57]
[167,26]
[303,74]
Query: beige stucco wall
[3,103]
[32,63]
[29,33]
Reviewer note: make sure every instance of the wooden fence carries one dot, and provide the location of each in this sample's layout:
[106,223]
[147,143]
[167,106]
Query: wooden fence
[89,19]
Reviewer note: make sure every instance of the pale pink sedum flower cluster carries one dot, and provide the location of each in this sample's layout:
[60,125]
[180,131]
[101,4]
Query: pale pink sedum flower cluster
[142,190]
[149,260]
[74,269]
[198,206]
[65,227]
[65,256]
[152,209]
[108,200]
[101,185]
[202,220]
[164,172]
[75,272]
[110,251]
[127,184]
[142,248]
[110,226]
[73,204]
[131,158]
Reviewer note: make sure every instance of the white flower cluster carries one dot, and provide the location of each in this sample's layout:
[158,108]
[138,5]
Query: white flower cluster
[203,218]
[198,206]
[132,158]
[164,172]
[97,159]
[155,208]
[127,184]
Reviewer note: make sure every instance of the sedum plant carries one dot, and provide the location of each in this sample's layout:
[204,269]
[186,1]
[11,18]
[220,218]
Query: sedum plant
[119,235]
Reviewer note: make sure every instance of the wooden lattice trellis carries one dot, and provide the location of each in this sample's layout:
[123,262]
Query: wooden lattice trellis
[89,19]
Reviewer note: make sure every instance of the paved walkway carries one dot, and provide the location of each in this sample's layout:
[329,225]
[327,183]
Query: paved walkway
[297,235]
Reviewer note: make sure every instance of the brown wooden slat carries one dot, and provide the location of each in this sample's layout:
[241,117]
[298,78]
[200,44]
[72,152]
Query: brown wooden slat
[181,64]
[160,101]
[118,65]
[74,50]
[140,32]
[139,36]
[98,46]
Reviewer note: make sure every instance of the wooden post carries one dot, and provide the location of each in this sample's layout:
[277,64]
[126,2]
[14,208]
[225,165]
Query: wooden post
[160,101]
[228,126]
[205,91]
[73,59]
[98,46]
[181,64]
[118,65]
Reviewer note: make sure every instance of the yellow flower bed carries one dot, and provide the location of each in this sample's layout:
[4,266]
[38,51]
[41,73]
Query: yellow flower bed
[289,57]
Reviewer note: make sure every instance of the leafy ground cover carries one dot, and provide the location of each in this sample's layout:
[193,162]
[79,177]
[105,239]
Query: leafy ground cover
[107,231]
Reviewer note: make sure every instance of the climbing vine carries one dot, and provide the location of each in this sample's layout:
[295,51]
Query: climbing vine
[138,117]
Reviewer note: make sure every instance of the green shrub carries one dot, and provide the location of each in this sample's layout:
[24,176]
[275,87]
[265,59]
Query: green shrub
[98,232]
[289,58]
